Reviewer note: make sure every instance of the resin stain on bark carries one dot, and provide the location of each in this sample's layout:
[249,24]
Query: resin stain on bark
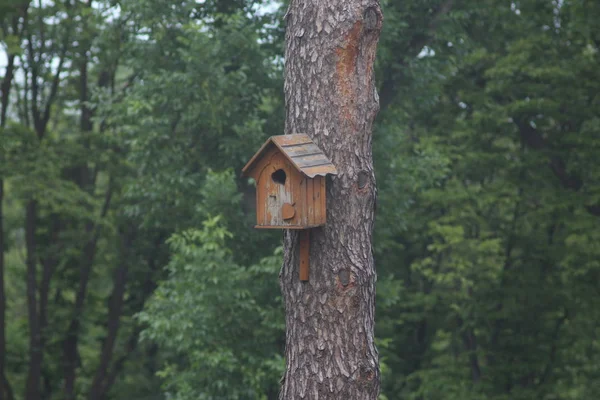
[347,57]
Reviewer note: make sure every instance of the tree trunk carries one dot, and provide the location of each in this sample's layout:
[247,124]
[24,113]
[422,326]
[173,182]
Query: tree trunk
[115,309]
[32,389]
[83,179]
[5,89]
[330,95]
[2,297]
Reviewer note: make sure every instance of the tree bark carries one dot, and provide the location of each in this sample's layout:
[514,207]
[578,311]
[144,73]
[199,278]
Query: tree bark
[330,95]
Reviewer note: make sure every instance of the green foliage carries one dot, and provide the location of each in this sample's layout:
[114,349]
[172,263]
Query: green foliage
[489,302]
[202,311]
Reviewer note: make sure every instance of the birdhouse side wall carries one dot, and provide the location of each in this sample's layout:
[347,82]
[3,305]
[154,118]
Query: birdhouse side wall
[314,195]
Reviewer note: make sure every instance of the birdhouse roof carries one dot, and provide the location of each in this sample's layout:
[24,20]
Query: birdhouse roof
[301,151]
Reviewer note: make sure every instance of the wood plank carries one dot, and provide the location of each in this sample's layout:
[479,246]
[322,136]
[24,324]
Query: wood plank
[313,160]
[288,212]
[310,203]
[286,226]
[256,169]
[304,254]
[272,200]
[260,202]
[292,186]
[317,194]
[320,170]
[323,199]
[302,207]
[302,149]
[290,140]
[250,168]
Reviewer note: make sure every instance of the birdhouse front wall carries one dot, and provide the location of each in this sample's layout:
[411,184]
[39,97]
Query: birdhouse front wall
[286,198]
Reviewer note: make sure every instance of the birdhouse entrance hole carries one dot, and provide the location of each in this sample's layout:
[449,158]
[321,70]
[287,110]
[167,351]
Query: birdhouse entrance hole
[279,176]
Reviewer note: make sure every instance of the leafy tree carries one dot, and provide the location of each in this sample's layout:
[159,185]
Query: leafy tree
[487,309]
[219,320]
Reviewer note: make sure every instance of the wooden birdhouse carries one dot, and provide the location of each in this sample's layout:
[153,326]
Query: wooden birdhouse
[290,172]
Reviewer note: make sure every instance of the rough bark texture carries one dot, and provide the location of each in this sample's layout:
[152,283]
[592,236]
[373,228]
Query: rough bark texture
[330,95]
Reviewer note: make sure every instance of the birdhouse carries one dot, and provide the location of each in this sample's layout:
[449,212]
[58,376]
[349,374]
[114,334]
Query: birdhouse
[290,172]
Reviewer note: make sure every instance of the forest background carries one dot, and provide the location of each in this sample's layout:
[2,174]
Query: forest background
[130,269]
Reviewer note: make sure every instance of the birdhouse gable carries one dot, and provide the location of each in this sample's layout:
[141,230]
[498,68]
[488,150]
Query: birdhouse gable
[299,150]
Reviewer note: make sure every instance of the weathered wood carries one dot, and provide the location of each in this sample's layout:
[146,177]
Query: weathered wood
[260,163]
[302,150]
[304,254]
[315,160]
[296,148]
[293,140]
[288,211]
[294,227]
[261,202]
[323,201]
[330,95]
[275,193]
[309,202]
[318,205]
[285,196]
[322,169]
[296,196]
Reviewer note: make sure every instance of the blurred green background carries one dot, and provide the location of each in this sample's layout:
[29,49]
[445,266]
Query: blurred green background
[130,266]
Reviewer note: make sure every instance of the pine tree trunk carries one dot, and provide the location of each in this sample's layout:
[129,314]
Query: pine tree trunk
[330,95]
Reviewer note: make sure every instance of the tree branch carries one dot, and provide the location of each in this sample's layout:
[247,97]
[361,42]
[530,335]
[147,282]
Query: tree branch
[55,83]
[33,68]
[5,88]
[40,120]
[71,336]
[25,109]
